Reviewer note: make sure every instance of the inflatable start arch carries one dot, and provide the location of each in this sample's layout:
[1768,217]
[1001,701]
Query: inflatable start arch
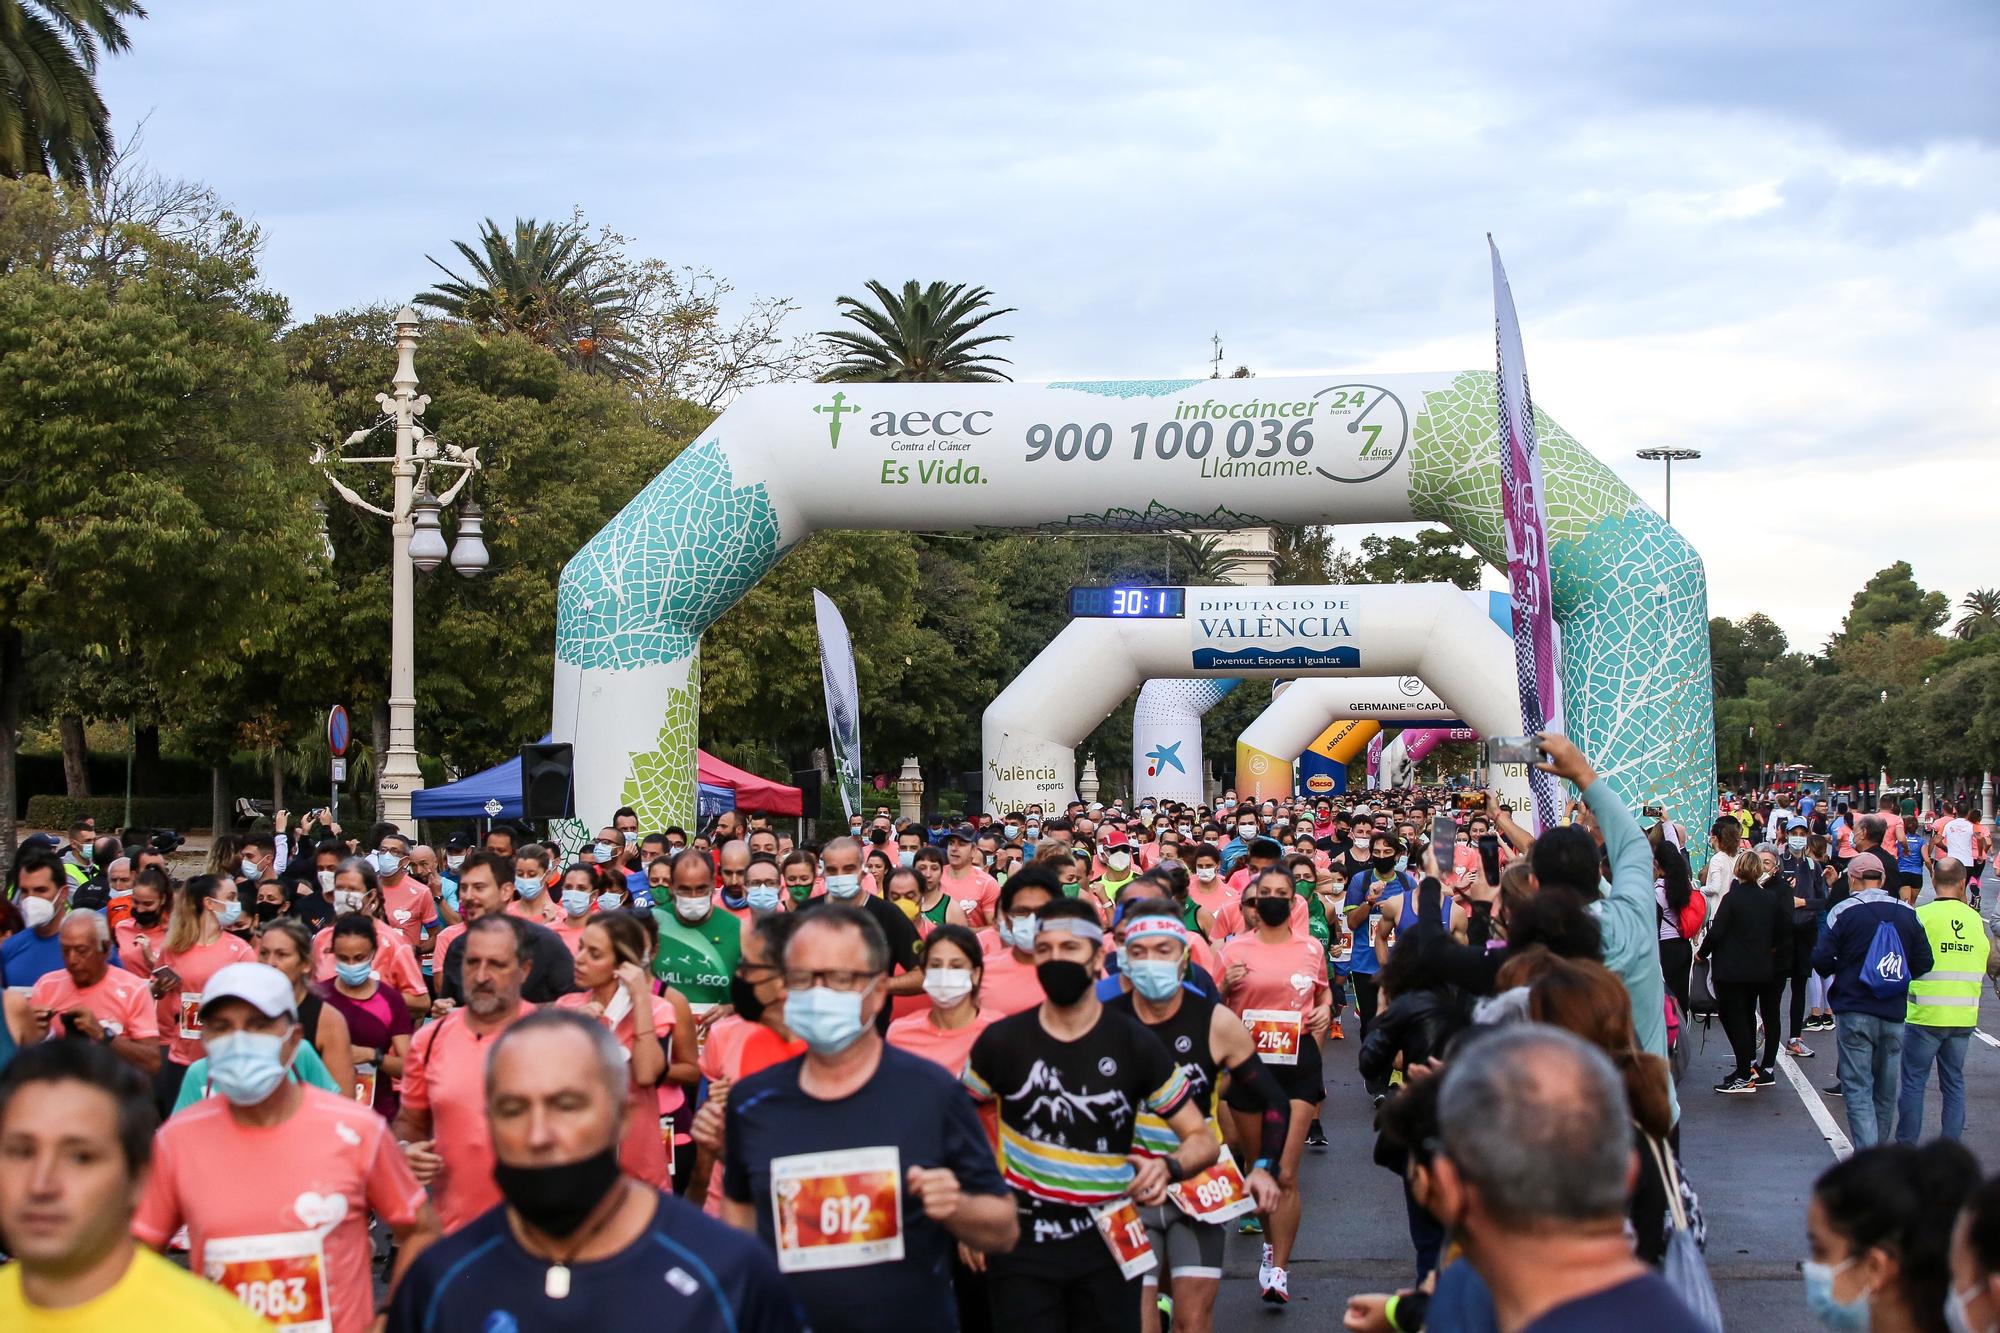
[786,461]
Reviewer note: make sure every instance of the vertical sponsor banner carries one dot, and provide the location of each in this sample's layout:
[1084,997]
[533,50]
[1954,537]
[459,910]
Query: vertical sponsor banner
[1524,503]
[1375,761]
[843,699]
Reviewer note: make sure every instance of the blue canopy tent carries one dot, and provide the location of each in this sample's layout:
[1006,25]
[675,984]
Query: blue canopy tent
[496,794]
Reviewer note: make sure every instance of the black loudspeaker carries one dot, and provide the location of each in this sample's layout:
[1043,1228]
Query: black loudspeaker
[808,781]
[970,784]
[548,791]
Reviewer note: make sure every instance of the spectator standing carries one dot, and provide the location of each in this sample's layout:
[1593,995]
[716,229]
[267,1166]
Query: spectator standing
[1872,947]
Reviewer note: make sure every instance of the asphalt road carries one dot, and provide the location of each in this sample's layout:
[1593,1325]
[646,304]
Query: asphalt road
[1751,1158]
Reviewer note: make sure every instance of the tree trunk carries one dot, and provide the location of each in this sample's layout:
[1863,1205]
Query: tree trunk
[76,772]
[218,800]
[277,786]
[11,689]
[146,761]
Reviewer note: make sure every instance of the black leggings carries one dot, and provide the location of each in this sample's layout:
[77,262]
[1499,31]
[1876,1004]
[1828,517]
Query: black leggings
[1737,1002]
[1365,992]
[1676,961]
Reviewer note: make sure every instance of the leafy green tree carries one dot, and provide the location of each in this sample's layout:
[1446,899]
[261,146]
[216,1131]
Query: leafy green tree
[1982,614]
[1742,650]
[548,282]
[53,121]
[1891,597]
[153,513]
[921,335]
[1435,556]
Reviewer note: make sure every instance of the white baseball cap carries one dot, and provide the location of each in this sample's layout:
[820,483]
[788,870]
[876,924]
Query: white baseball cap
[262,987]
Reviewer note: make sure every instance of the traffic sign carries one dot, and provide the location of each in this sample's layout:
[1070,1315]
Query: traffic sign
[337,732]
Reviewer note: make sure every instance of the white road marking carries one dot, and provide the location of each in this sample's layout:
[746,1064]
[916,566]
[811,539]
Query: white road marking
[1982,1035]
[1830,1130]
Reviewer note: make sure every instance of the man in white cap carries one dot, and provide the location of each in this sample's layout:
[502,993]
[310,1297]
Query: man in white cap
[289,1238]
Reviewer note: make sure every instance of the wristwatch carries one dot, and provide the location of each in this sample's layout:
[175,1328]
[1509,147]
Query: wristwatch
[1263,1164]
[1175,1171]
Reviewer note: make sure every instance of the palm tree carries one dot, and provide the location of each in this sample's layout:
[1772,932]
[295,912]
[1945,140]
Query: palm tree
[922,336]
[547,282]
[1982,614]
[52,121]
[1207,560]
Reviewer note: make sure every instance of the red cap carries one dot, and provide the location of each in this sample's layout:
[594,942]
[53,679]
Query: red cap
[1114,838]
[1865,863]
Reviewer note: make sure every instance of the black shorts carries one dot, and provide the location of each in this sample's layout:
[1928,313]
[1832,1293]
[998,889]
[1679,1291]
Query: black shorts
[1302,1082]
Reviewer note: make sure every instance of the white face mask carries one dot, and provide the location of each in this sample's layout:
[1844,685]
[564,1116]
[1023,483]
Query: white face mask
[454,862]
[1205,874]
[347,900]
[692,910]
[947,987]
[1119,861]
[37,912]
[326,881]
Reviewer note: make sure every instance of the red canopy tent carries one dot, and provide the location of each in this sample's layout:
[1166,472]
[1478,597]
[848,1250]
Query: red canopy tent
[752,792]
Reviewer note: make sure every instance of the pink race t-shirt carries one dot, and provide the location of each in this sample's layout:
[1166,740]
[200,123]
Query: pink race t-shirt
[570,932]
[442,944]
[128,935]
[409,907]
[297,1224]
[945,1047]
[120,1001]
[194,968]
[976,893]
[1009,986]
[642,1152]
[1236,918]
[1290,975]
[395,961]
[445,1075]
[1214,895]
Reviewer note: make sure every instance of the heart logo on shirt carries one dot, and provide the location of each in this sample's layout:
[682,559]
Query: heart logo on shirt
[1301,982]
[320,1211]
[346,1135]
[400,915]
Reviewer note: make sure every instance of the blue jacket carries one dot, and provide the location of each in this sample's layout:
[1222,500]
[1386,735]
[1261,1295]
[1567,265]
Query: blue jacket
[1630,922]
[1842,946]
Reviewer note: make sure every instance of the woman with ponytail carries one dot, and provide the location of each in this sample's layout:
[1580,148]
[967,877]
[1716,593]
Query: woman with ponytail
[1588,999]
[1880,1228]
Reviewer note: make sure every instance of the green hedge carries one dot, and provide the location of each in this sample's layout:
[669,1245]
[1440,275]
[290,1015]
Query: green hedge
[175,812]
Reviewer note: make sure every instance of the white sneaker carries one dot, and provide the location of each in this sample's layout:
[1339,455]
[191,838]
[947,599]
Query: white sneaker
[1273,1282]
[1265,1269]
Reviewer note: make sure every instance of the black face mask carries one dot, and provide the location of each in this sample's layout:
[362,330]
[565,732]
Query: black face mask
[147,919]
[555,1200]
[266,911]
[1385,865]
[1273,911]
[1063,981]
[743,997]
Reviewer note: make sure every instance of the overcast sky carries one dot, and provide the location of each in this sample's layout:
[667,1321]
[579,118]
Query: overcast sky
[1770,232]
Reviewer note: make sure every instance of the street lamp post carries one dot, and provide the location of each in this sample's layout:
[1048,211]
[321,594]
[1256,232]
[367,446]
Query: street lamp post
[417,544]
[1670,457]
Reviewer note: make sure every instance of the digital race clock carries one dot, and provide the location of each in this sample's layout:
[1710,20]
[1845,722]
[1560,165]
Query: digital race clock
[1128,603]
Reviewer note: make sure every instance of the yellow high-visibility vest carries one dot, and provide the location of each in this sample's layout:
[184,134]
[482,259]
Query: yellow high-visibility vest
[1947,996]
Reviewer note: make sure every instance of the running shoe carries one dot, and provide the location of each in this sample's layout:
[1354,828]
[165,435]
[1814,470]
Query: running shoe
[1799,1050]
[1315,1136]
[1833,1090]
[1252,1227]
[1735,1085]
[1335,1033]
[1264,1270]
[1273,1282]
[1763,1078]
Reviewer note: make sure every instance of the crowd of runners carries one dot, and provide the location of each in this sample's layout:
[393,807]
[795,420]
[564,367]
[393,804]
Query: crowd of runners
[1026,1072]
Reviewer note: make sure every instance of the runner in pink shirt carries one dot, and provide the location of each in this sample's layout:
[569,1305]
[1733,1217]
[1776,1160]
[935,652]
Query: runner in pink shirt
[442,1122]
[580,886]
[965,880]
[655,1032]
[143,932]
[410,907]
[1277,983]
[1206,885]
[88,997]
[1009,985]
[195,950]
[288,1236]
[954,1018]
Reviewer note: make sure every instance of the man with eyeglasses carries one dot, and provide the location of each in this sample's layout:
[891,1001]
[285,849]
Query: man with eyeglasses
[840,860]
[861,1165]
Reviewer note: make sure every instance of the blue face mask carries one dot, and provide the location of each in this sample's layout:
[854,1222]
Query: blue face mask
[227,914]
[386,862]
[248,867]
[843,886]
[1402,864]
[1796,844]
[1012,831]
[1155,978]
[907,858]
[602,853]
[576,901]
[762,897]
[1852,1316]
[825,1019]
[245,1066]
[355,974]
[527,886]
[1019,933]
